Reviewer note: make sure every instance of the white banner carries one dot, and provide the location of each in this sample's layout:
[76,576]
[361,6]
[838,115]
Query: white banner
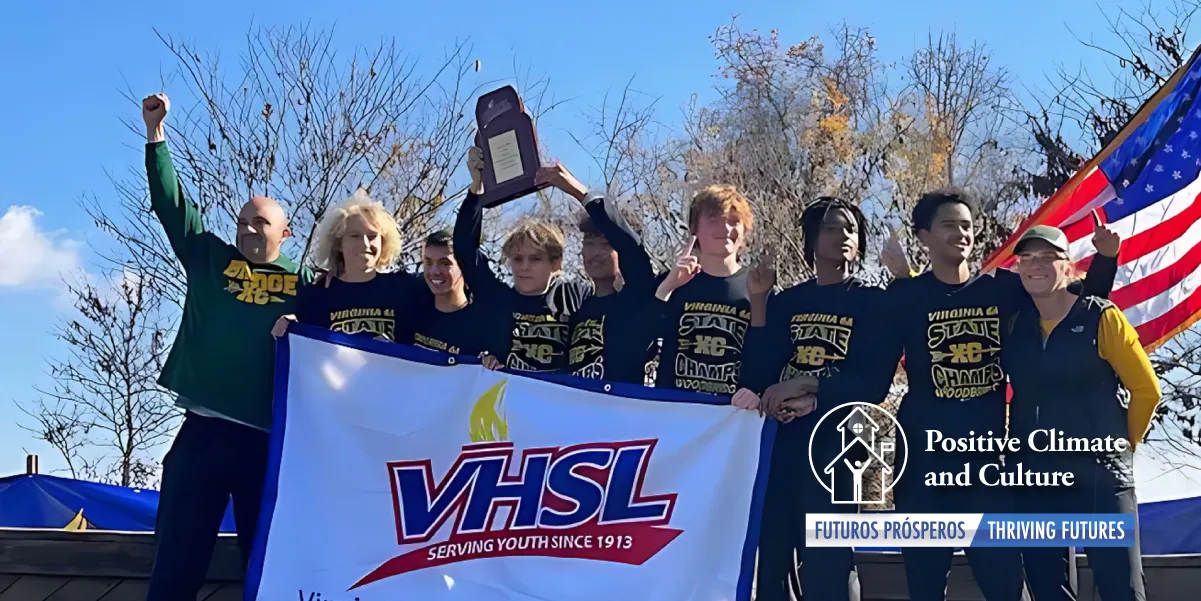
[396,475]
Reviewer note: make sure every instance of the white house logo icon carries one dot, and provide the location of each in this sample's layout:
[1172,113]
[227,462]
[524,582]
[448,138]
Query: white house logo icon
[859,431]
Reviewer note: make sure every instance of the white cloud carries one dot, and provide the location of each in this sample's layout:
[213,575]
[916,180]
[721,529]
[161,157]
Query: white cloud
[30,256]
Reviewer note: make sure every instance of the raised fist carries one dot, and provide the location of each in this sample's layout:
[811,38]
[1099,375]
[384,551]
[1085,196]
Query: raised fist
[154,111]
[1105,239]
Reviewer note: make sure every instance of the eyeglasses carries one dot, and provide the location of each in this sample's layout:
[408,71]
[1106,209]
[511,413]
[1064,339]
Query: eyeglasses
[1041,257]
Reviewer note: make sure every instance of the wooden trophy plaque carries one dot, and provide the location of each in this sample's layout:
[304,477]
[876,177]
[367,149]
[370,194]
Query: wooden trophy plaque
[509,144]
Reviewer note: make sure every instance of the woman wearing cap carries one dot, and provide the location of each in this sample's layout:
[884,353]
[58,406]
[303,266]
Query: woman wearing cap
[1076,365]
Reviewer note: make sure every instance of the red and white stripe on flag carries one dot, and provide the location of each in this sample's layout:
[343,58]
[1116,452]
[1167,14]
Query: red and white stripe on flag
[1158,283]
[1145,185]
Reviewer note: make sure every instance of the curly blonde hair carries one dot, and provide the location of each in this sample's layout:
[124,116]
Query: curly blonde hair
[328,253]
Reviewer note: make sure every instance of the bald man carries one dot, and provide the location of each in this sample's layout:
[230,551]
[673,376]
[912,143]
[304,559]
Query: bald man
[221,366]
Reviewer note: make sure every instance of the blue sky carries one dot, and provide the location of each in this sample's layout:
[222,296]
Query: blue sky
[63,65]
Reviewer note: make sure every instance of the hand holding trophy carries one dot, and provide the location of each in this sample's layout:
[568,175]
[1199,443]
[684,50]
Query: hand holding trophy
[509,143]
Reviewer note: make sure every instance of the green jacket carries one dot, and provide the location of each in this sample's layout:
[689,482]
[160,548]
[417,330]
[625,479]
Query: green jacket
[223,359]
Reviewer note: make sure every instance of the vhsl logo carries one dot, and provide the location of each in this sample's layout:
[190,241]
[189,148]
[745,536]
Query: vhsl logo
[584,501]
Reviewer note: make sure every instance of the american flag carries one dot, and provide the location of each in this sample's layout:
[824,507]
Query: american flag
[1145,185]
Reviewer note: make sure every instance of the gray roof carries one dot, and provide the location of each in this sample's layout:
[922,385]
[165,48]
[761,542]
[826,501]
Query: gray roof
[15,587]
[56,565]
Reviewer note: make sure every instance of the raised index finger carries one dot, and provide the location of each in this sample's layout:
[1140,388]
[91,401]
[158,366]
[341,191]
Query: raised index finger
[1096,220]
[688,249]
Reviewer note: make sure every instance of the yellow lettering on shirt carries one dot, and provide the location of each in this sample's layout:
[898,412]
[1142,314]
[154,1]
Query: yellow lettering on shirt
[258,288]
[237,270]
[820,340]
[365,325]
[709,347]
[814,356]
[713,346]
[434,344]
[587,348]
[965,351]
[537,340]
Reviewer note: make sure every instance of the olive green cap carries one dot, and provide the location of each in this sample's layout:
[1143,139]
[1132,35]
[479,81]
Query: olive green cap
[1051,235]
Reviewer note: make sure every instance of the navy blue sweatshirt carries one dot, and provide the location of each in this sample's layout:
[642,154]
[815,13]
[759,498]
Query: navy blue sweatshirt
[828,332]
[703,325]
[951,335]
[609,339]
[387,305]
[538,325]
[468,331]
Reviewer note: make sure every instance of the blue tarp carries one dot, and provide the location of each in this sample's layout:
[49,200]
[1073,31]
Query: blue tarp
[40,501]
[1170,527]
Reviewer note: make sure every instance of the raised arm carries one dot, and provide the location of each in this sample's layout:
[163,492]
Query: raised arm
[179,216]
[477,273]
[632,258]
[1104,268]
[766,347]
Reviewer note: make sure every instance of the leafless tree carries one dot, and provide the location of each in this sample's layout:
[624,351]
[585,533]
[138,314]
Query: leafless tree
[291,119]
[1082,113]
[795,122]
[105,413]
[961,134]
[302,124]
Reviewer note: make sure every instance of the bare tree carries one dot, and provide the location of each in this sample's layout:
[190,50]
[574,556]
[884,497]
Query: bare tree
[1084,112]
[105,413]
[793,123]
[960,133]
[638,160]
[291,119]
[297,122]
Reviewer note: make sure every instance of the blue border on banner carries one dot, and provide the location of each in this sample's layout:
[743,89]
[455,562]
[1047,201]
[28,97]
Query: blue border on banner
[275,448]
[750,548]
[279,403]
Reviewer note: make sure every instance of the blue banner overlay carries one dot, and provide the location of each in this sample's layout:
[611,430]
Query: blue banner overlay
[969,530]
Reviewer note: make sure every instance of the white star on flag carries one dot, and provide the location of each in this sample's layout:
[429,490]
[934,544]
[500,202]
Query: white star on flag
[1125,183]
[1175,175]
[1184,154]
[1192,135]
[1167,148]
[1150,188]
[1159,168]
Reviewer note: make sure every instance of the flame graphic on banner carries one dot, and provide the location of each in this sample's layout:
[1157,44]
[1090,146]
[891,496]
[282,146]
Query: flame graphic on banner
[487,422]
[77,523]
